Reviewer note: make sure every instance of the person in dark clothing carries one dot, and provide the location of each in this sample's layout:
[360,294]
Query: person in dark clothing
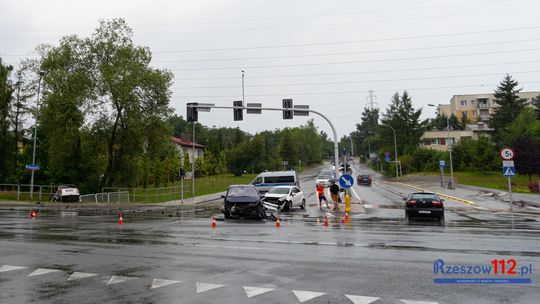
[334,192]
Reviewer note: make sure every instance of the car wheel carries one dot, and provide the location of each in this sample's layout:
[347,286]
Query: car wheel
[303,206]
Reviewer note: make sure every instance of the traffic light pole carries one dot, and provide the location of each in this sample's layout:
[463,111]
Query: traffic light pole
[336,151]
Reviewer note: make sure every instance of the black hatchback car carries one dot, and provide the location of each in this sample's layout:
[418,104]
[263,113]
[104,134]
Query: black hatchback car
[242,201]
[424,204]
[364,179]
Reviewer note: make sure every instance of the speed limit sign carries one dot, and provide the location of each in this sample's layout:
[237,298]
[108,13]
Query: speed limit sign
[507,153]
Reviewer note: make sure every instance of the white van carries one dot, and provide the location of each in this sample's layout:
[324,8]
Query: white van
[267,180]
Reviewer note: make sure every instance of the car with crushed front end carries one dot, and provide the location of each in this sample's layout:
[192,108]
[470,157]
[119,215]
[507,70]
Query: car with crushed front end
[424,204]
[286,197]
[66,193]
[242,201]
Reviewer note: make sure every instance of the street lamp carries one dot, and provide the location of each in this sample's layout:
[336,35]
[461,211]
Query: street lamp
[352,150]
[452,186]
[395,147]
[41,73]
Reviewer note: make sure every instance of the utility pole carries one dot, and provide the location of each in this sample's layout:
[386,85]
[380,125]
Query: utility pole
[35,137]
[371,99]
[243,99]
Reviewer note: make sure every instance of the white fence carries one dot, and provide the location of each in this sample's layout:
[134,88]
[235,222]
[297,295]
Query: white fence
[106,198]
[21,192]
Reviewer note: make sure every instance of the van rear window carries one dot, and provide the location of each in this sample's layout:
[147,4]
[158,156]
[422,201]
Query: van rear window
[278,179]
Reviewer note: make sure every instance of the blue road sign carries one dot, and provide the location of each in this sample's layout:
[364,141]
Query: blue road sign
[387,158]
[509,171]
[346,181]
[32,167]
[442,163]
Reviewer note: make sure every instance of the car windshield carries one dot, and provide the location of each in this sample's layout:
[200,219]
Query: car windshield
[242,191]
[279,191]
[424,196]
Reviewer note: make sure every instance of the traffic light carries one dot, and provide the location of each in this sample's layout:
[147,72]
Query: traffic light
[238,113]
[287,114]
[192,112]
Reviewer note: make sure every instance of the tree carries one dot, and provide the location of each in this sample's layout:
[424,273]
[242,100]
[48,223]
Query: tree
[6,140]
[536,103]
[441,123]
[526,159]
[525,126]
[365,137]
[406,122]
[510,106]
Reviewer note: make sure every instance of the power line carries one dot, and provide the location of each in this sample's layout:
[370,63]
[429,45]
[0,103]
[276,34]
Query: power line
[354,81]
[352,41]
[467,3]
[347,92]
[353,53]
[368,72]
[353,61]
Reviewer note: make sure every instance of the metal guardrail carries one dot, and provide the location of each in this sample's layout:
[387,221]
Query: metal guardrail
[105,198]
[21,192]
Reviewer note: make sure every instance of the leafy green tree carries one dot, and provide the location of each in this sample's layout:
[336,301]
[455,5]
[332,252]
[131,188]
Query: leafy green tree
[476,155]
[7,144]
[526,125]
[405,120]
[526,159]
[510,106]
[365,138]
[441,123]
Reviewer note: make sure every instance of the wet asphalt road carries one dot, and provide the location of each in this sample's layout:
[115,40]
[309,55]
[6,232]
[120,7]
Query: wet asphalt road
[375,255]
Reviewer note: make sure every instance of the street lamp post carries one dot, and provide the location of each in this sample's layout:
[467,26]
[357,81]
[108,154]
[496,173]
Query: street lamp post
[35,137]
[452,186]
[352,150]
[395,147]
[243,100]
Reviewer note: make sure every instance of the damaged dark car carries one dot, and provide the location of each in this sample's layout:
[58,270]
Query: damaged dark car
[243,201]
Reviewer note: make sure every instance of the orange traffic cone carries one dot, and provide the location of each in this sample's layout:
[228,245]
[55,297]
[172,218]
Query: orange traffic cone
[121,219]
[346,216]
[278,223]
[33,214]
[214,223]
[325,221]
[343,220]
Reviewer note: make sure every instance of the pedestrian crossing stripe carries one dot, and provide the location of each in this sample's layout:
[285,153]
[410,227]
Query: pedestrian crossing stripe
[361,299]
[304,296]
[41,271]
[10,268]
[202,287]
[417,302]
[255,291]
[156,283]
[119,279]
[80,275]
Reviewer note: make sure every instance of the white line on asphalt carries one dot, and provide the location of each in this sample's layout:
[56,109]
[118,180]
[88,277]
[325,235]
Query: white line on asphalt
[304,296]
[356,195]
[80,275]
[156,283]
[255,291]
[361,299]
[119,279]
[10,268]
[41,271]
[228,247]
[417,302]
[202,287]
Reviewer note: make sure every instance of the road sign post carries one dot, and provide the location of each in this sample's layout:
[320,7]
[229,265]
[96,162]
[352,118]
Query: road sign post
[441,165]
[508,154]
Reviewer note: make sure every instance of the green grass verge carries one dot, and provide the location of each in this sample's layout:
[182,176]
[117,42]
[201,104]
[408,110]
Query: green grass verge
[493,180]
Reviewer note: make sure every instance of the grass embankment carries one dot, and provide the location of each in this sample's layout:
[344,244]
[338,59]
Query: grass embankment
[493,180]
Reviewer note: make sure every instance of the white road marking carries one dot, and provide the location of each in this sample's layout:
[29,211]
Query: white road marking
[202,287]
[304,296]
[417,302]
[255,291]
[119,279]
[156,283]
[80,275]
[361,299]
[10,268]
[41,271]
[357,196]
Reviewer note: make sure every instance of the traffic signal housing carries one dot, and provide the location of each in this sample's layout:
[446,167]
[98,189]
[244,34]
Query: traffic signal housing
[287,104]
[238,113]
[192,112]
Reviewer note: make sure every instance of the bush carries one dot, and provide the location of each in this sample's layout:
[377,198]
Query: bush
[534,186]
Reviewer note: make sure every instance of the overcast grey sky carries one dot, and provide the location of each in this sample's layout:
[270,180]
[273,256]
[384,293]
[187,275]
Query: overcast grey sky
[327,54]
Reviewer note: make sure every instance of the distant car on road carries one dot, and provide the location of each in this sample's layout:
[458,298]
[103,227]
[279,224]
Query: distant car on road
[242,201]
[66,193]
[324,179]
[286,197]
[364,179]
[424,204]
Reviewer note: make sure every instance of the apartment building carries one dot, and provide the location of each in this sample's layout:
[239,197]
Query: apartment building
[477,107]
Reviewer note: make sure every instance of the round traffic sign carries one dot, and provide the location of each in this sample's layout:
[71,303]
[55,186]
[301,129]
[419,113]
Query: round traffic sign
[507,153]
